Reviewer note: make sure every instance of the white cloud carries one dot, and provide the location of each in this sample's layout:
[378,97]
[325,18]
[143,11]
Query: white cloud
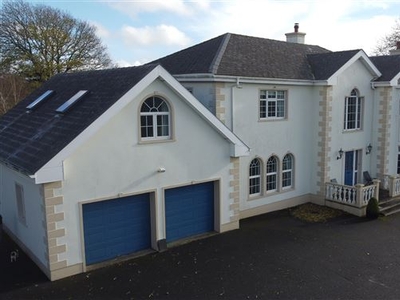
[336,25]
[179,7]
[123,63]
[101,30]
[154,36]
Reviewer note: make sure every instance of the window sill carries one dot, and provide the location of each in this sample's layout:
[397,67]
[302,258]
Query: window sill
[155,141]
[272,119]
[351,130]
[270,194]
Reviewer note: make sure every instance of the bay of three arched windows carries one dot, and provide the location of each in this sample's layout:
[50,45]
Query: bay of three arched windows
[276,176]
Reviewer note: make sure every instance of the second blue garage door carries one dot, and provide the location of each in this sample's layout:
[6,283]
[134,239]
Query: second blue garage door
[116,227]
[189,210]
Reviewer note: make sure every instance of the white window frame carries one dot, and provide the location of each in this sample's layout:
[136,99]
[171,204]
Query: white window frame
[353,117]
[20,201]
[154,115]
[272,175]
[270,102]
[255,177]
[287,173]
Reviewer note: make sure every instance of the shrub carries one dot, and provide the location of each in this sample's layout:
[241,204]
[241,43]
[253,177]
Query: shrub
[372,209]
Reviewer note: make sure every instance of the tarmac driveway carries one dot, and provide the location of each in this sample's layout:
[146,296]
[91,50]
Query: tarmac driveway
[272,256]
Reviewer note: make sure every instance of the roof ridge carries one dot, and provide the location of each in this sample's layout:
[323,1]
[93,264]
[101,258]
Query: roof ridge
[220,53]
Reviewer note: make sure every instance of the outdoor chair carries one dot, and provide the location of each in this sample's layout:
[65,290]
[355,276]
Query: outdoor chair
[367,178]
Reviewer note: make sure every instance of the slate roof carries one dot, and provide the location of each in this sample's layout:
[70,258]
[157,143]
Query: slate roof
[324,65]
[388,65]
[29,140]
[240,55]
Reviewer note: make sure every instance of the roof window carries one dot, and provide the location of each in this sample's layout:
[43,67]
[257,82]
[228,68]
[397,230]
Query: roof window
[39,100]
[74,99]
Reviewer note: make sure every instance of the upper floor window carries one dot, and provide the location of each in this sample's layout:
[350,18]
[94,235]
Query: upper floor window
[272,104]
[255,177]
[287,171]
[353,111]
[272,174]
[155,119]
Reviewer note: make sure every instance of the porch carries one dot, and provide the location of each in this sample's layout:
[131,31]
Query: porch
[354,199]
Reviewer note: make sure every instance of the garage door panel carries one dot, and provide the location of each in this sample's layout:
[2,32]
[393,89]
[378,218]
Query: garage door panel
[116,227]
[189,210]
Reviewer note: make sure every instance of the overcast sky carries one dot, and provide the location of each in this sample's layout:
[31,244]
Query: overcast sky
[136,32]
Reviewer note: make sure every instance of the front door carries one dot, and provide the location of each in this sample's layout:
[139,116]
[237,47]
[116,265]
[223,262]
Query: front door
[351,166]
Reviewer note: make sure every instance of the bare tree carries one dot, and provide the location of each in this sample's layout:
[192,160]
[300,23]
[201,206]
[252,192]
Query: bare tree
[38,41]
[13,88]
[388,42]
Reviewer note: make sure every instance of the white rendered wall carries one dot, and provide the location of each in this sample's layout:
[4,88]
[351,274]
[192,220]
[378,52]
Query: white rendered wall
[275,137]
[32,233]
[113,162]
[356,76]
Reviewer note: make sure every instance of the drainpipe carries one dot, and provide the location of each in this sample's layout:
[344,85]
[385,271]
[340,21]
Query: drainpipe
[237,86]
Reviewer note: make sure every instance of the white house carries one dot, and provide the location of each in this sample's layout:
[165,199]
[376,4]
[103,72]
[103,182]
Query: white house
[101,164]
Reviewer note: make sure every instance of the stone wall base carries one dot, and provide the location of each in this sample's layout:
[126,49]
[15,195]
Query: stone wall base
[259,210]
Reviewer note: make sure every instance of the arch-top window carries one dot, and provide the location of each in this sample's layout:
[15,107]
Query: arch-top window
[272,174]
[287,171]
[255,177]
[155,119]
[353,111]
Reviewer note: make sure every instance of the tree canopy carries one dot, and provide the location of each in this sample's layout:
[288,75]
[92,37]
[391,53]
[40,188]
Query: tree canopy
[38,41]
[389,42]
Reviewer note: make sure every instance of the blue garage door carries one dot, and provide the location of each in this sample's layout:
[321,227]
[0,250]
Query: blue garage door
[189,210]
[116,227]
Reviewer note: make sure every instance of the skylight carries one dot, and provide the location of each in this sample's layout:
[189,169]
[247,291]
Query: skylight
[67,105]
[39,100]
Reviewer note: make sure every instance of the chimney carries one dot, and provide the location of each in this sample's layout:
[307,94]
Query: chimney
[296,36]
[397,50]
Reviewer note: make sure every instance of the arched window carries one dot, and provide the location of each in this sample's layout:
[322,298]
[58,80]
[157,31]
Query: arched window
[352,111]
[155,119]
[287,171]
[255,177]
[272,174]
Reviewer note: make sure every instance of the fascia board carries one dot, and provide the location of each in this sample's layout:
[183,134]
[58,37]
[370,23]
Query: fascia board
[53,169]
[241,149]
[358,56]
[233,79]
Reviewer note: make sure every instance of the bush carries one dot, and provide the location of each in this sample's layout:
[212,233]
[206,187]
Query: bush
[372,209]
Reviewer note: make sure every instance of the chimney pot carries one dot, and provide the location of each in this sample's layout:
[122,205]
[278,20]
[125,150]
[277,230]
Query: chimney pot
[296,27]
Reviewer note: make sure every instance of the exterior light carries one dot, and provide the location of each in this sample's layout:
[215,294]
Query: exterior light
[369,148]
[340,154]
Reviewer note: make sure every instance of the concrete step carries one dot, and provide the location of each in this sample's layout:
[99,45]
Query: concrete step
[390,206]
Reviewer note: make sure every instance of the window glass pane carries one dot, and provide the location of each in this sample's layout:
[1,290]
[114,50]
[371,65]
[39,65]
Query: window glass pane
[280,109]
[263,109]
[271,109]
[146,126]
[286,179]
[255,177]
[162,125]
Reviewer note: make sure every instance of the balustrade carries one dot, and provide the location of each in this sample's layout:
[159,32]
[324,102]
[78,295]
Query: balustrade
[357,196]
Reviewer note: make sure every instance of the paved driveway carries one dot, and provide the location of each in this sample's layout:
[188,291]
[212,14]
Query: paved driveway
[272,256]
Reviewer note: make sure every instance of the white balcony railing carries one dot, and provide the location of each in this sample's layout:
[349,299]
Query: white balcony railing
[357,196]
[394,186]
